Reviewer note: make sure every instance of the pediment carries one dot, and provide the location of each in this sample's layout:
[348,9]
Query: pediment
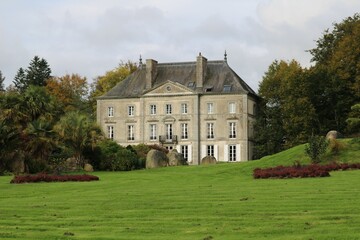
[169,88]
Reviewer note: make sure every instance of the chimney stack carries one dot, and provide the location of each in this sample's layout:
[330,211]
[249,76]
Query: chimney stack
[200,70]
[150,73]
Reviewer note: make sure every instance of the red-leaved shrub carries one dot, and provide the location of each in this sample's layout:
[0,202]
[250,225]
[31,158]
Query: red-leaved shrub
[313,170]
[43,177]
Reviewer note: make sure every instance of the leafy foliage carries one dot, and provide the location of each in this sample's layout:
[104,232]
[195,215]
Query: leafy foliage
[316,148]
[353,122]
[2,79]
[43,177]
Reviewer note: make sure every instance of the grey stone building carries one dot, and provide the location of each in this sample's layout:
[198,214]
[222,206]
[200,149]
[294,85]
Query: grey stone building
[200,108]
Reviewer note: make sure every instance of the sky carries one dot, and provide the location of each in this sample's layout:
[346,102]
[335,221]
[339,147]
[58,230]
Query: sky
[91,37]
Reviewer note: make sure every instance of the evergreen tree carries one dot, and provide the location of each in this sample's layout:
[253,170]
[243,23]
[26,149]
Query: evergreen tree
[2,79]
[20,80]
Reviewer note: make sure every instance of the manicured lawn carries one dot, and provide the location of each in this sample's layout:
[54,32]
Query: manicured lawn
[196,202]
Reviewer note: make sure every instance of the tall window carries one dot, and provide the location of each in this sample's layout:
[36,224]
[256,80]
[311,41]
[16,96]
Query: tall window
[184,108]
[210,130]
[110,130]
[131,110]
[210,150]
[153,132]
[131,134]
[232,107]
[232,129]
[184,150]
[232,153]
[110,111]
[210,108]
[168,131]
[152,109]
[168,109]
[184,131]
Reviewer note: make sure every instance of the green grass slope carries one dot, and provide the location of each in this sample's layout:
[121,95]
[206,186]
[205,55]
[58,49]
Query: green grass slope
[222,201]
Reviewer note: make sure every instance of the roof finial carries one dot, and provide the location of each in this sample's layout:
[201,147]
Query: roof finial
[140,61]
[225,56]
[199,53]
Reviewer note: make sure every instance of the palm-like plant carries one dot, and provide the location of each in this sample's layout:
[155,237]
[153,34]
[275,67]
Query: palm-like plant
[77,132]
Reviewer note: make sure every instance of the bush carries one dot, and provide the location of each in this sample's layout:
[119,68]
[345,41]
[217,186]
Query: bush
[297,171]
[43,177]
[335,146]
[316,148]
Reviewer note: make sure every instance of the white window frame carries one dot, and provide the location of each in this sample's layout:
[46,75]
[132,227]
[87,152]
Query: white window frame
[169,131]
[210,131]
[131,110]
[232,153]
[232,130]
[110,130]
[210,150]
[168,109]
[184,108]
[131,132]
[152,109]
[184,150]
[232,107]
[210,108]
[110,111]
[184,131]
[153,134]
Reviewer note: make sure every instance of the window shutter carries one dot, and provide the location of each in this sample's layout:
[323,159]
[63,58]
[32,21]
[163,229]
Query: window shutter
[226,153]
[238,152]
[216,154]
[203,151]
[189,153]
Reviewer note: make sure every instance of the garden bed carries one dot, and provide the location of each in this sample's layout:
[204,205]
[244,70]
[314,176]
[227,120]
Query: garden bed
[43,177]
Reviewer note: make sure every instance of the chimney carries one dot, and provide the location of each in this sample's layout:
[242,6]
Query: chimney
[200,70]
[150,73]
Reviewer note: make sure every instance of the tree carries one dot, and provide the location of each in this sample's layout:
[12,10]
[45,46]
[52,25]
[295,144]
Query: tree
[77,132]
[353,122]
[2,79]
[36,74]
[286,115]
[104,83]
[336,75]
[70,90]
[20,80]
[316,148]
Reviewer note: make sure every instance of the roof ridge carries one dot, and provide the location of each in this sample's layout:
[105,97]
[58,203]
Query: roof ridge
[187,63]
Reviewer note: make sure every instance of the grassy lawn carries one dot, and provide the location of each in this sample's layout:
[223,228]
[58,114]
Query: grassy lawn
[222,201]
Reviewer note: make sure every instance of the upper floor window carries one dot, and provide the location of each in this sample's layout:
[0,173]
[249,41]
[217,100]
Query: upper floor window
[210,108]
[210,130]
[131,133]
[184,131]
[131,110]
[152,109]
[184,108]
[153,132]
[232,107]
[168,109]
[232,130]
[227,88]
[110,111]
[110,130]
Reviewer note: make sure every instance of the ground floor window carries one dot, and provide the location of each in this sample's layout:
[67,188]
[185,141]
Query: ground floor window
[210,150]
[131,133]
[232,153]
[184,150]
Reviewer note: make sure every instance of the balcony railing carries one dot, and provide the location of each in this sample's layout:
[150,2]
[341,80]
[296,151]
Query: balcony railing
[168,139]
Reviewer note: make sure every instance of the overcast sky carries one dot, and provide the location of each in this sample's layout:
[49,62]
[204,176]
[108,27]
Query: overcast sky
[90,37]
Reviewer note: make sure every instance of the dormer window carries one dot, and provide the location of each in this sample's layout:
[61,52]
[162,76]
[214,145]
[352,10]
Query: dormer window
[208,89]
[191,84]
[227,88]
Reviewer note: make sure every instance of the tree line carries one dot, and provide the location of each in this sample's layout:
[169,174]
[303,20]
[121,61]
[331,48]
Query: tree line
[298,102]
[45,118]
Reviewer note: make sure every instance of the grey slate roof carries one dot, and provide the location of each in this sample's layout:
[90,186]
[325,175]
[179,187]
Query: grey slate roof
[218,74]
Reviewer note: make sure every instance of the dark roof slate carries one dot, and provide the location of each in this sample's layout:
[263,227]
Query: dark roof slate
[218,74]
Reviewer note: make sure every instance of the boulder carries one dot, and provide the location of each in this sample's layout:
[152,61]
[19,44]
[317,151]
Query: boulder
[88,167]
[332,135]
[208,160]
[71,164]
[176,158]
[156,159]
